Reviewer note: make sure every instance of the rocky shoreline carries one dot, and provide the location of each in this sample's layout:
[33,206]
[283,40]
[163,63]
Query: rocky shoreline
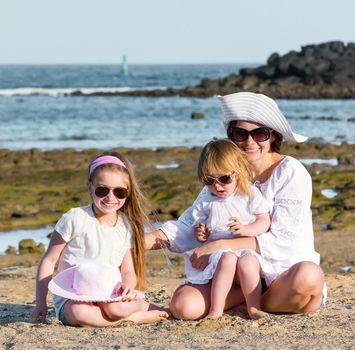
[320,71]
[37,187]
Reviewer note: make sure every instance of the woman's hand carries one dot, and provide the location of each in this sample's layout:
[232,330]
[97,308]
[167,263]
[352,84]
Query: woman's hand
[202,232]
[127,293]
[200,256]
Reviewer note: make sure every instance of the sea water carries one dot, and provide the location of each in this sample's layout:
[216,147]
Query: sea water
[39,109]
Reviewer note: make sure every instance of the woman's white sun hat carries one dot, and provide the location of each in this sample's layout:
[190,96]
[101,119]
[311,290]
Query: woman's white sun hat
[89,281]
[257,108]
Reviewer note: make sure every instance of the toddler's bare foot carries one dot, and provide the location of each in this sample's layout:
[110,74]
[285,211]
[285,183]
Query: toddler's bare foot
[255,313]
[213,315]
[150,316]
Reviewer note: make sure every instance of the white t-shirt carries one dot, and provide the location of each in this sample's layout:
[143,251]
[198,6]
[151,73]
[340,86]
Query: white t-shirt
[288,193]
[88,239]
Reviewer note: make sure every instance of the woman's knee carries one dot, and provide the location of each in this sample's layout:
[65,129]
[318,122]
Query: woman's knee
[308,278]
[188,304]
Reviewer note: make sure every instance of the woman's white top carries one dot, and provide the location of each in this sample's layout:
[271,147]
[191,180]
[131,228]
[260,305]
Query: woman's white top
[87,239]
[288,193]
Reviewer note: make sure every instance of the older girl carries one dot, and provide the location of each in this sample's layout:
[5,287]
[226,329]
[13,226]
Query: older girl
[109,231]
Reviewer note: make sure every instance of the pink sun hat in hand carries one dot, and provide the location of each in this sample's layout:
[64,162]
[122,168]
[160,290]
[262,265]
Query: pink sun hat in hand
[89,281]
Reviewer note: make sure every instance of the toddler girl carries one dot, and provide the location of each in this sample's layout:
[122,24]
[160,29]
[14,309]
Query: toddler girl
[232,207]
[108,232]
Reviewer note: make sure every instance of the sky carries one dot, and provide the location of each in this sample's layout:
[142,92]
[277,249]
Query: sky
[166,31]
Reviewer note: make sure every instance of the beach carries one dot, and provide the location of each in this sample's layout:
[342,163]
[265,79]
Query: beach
[167,176]
[328,328]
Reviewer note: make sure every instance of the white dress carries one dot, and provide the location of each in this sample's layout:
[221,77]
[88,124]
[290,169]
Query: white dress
[288,193]
[88,239]
[215,213]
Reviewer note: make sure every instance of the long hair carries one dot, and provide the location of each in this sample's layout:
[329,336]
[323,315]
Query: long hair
[136,209]
[222,156]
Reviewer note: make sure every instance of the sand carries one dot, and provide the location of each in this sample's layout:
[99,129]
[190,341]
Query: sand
[329,328]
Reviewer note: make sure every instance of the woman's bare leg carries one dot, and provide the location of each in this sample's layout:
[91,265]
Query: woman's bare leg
[249,277]
[297,290]
[221,283]
[192,301]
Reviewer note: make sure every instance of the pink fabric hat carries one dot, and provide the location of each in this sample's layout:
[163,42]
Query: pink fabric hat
[89,281]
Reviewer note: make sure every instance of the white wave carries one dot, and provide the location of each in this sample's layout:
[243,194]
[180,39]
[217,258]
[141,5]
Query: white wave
[54,92]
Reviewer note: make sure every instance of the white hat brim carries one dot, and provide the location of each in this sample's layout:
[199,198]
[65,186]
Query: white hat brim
[62,285]
[257,108]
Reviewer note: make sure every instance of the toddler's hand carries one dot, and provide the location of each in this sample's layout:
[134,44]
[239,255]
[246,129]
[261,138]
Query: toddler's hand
[235,226]
[202,232]
[238,229]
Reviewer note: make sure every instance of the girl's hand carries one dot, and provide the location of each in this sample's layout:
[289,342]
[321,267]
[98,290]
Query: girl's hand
[200,257]
[202,232]
[39,314]
[127,293]
[235,226]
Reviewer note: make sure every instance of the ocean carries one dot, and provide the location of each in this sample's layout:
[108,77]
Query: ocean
[38,108]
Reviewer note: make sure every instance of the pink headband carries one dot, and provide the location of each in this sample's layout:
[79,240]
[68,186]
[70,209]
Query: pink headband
[105,160]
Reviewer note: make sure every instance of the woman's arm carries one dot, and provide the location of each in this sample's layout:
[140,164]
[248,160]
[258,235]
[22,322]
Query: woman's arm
[199,259]
[156,240]
[44,275]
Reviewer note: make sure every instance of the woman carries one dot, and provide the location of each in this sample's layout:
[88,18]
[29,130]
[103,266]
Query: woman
[255,123]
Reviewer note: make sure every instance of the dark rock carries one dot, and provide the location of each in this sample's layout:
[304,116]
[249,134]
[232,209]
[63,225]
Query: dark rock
[11,251]
[26,246]
[197,115]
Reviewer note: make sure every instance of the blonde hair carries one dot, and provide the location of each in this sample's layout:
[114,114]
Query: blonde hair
[222,156]
[136,209]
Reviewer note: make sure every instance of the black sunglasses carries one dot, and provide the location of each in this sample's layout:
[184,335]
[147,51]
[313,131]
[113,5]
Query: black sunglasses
[103,191]
[222,180]
[240,134]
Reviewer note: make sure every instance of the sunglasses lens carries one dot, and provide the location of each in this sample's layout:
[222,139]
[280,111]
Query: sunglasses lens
[101,191]
[225,179]
[120,192]
[208,181]
[260,134]
[239,134]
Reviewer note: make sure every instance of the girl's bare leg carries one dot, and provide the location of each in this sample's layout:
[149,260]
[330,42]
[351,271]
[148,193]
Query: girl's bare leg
[249,277]
[85,314]
[221,283]
[192,301]
[297,290]
[136,311]
[108,314]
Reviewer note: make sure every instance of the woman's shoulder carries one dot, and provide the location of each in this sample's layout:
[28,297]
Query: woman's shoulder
[290,167]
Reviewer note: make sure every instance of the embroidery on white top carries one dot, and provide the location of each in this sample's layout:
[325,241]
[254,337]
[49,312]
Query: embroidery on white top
[288,201]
